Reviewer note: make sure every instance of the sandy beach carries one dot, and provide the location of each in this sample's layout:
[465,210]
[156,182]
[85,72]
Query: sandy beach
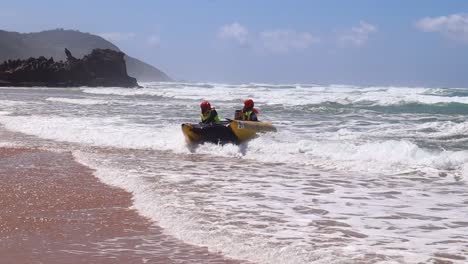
[53,210]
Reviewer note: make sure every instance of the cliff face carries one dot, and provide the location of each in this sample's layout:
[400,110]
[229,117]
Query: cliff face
[103,67]
[51,43]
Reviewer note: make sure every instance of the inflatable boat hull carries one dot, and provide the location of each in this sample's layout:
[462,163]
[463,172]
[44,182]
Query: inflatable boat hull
[233,131]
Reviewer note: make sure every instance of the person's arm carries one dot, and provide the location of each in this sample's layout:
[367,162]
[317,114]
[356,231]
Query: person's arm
[253,117]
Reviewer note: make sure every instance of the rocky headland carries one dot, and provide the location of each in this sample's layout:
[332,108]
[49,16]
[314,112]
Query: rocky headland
[51,43]
[102,67]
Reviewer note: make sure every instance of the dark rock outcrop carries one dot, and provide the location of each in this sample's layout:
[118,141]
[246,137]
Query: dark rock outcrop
[103,67]
[51,43]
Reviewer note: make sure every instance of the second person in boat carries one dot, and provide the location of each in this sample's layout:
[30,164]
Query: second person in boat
[208,114]
[249,113]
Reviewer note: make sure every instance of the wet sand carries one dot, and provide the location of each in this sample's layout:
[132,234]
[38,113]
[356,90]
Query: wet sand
[53,210]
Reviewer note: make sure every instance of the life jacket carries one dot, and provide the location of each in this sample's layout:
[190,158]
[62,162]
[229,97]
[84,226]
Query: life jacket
[205,117]
[247,116]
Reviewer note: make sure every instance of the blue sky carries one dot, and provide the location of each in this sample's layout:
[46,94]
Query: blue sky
[398,42]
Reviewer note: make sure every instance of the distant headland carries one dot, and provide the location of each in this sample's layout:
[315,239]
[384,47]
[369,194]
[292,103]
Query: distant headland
[102,67]
[51,43]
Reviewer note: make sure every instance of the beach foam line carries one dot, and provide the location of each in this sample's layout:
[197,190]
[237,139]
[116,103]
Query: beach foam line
[55,211]
[79,101]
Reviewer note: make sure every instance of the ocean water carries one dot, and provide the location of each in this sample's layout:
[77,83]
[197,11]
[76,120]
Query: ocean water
[353,175]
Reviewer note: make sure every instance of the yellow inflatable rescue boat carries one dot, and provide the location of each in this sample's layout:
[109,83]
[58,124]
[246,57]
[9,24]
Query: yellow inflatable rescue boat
[230,131]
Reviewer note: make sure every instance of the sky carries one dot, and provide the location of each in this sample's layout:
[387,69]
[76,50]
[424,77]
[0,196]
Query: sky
[360,42]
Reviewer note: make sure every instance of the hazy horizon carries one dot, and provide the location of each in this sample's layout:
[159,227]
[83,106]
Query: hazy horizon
[398,43]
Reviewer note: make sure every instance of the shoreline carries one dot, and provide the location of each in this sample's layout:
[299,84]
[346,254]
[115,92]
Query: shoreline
[54,210]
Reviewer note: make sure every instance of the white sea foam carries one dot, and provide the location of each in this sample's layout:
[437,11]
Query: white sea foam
[108,132]
[464,172]
[446,130]
[300,95]
[389,156]
[9,103]
[395,180]
[221,207]
[344,153]
[120,91]
[8,145]
[181,219]
[83,101]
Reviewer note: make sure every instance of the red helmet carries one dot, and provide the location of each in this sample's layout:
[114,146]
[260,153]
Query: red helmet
[249,103]
[205,106]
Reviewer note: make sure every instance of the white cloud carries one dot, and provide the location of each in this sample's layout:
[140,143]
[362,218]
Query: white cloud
[234,32]
[282,40]
[358,36]
[117,36]
[153,40]
[454,26]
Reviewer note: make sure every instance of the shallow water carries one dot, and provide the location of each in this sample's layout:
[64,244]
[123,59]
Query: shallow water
[354,174]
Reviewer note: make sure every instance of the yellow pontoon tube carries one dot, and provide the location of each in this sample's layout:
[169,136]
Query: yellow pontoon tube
[234,131]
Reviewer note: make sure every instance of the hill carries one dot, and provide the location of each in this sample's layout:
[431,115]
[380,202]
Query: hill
[101,68]
[51,43]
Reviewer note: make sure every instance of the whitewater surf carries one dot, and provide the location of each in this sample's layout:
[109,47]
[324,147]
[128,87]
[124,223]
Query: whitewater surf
[360,174]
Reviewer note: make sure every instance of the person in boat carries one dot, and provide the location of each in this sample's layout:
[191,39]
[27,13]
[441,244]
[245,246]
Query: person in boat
[208,114]
[249,113]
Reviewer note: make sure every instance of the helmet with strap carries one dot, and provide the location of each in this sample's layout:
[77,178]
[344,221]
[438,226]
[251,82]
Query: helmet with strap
[248,103]
[205,106]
